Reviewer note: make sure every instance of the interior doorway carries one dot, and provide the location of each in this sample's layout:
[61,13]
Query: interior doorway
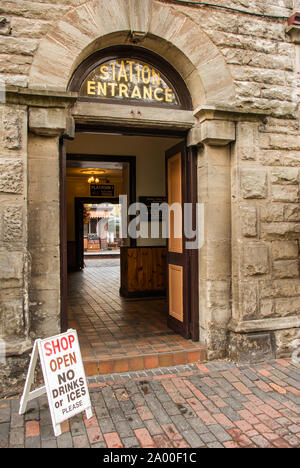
[123,290]
[97,230]
[101,233]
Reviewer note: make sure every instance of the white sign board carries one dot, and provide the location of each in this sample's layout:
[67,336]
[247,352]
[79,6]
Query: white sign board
[65,381]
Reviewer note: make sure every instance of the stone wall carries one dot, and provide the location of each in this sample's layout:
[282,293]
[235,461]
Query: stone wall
[266,234]
[214,193]
[44,235]
[259,54]
[14,256]
[29,229]
[248,61]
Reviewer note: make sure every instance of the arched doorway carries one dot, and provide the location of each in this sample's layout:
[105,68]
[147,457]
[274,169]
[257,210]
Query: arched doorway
[174,36]
[129,79]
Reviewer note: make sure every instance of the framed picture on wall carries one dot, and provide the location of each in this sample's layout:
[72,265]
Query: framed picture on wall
[148,201]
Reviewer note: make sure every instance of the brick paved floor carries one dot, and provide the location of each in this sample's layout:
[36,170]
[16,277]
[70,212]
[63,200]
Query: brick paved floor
[218,404]
[116,334]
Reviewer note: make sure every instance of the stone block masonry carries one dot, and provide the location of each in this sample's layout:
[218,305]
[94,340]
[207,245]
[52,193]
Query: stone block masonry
[265,223]
[242,72]
[14,259]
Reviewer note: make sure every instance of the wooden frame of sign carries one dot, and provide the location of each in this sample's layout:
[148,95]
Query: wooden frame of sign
[68,396]
[150,59]
[102,190]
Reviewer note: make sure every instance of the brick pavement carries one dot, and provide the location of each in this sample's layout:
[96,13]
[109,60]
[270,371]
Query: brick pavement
[115,333]
[216,405]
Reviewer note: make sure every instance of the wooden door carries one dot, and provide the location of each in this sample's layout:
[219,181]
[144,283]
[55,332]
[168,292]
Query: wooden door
[177,258]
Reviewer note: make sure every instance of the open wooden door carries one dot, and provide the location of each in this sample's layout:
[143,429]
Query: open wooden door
[179,316]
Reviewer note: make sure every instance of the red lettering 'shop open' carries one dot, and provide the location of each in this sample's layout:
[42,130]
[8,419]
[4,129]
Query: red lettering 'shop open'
[65,380]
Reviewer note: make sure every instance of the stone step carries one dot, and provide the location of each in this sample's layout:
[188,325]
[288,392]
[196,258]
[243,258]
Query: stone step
[94,366]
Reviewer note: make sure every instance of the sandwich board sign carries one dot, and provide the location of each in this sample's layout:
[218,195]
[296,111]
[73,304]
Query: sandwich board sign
[64,377]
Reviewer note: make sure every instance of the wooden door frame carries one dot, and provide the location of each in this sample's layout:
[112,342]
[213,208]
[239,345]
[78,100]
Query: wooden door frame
[134,52]
[130,160]
[191,257]
[191,195]
[63,236]
[176,258]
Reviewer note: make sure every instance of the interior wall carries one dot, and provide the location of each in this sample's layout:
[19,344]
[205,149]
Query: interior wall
[150,161]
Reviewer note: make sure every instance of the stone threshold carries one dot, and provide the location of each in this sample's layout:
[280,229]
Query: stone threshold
[119,365]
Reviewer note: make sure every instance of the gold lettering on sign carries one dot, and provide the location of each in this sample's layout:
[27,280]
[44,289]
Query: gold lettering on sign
[158,90]
[102,89]
[146,74]
[122,72]
[169,95]
[104,72]
[114,71]
[128,79]
[131,63]
[156,77]
[148,93]
[123,90]
[113,88]
[91,87]
[136,93]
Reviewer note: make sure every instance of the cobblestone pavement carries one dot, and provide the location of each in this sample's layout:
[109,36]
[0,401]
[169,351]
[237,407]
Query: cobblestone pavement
[215,405]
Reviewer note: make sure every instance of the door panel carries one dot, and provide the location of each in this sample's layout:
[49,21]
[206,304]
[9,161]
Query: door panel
[176,292]
[177,259]
[175,196]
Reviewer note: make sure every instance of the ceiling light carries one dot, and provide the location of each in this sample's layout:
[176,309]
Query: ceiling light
[92,171]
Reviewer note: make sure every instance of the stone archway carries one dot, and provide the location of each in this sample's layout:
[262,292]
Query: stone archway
[98,24]
[161,28]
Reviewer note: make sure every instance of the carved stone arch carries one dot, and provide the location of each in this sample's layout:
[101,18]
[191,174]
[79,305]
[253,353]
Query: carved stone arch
[98,24]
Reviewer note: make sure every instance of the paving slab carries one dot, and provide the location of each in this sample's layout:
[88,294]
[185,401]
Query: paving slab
[219,405]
